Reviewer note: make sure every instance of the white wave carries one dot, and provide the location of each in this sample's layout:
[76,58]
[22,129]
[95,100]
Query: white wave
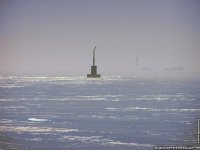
[14,107]
[10,86]
[111,108]
[82,98]
[164,97]
[174,139]
[11,99]
[114,98]
[83,138]
[102,140]
[129,144]
[185,122]
[37,119]
[154,109]
[163,109]
[32,129]
[152,98]
[98,98]
[35,139]
[6,121]
[154,133]
[99,117]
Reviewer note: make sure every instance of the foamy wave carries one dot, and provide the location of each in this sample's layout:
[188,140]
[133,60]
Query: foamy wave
[164,97]
[31,129]
[11,99]
[130,144]
[103,141]
[37,119]
[111,108]
[6,121]
[114,98]
[83,138]
[99,116]
[153,109]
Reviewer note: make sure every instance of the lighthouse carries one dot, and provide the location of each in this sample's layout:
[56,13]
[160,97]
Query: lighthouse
[93,68]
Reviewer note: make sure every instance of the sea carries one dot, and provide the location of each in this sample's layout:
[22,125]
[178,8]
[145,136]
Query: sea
[109,113]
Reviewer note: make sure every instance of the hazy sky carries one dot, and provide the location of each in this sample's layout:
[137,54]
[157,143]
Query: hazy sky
[57,36]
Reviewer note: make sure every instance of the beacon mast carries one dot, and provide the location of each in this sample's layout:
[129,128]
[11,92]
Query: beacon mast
[93,68]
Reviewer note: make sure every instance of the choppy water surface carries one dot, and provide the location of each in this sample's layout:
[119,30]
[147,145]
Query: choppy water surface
[75,113]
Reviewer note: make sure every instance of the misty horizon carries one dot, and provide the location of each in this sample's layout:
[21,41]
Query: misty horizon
[57,38]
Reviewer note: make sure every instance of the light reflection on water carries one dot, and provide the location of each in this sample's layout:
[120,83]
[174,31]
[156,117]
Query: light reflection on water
[108,113]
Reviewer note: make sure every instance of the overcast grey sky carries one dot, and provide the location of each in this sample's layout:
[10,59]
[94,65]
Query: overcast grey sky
[57,36]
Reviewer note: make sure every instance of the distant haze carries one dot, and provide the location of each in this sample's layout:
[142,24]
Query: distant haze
[56,37]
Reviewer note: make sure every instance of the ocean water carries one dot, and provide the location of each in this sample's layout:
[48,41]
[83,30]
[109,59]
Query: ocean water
[111,113]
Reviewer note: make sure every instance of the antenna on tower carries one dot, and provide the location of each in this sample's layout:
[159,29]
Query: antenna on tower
[94,56]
